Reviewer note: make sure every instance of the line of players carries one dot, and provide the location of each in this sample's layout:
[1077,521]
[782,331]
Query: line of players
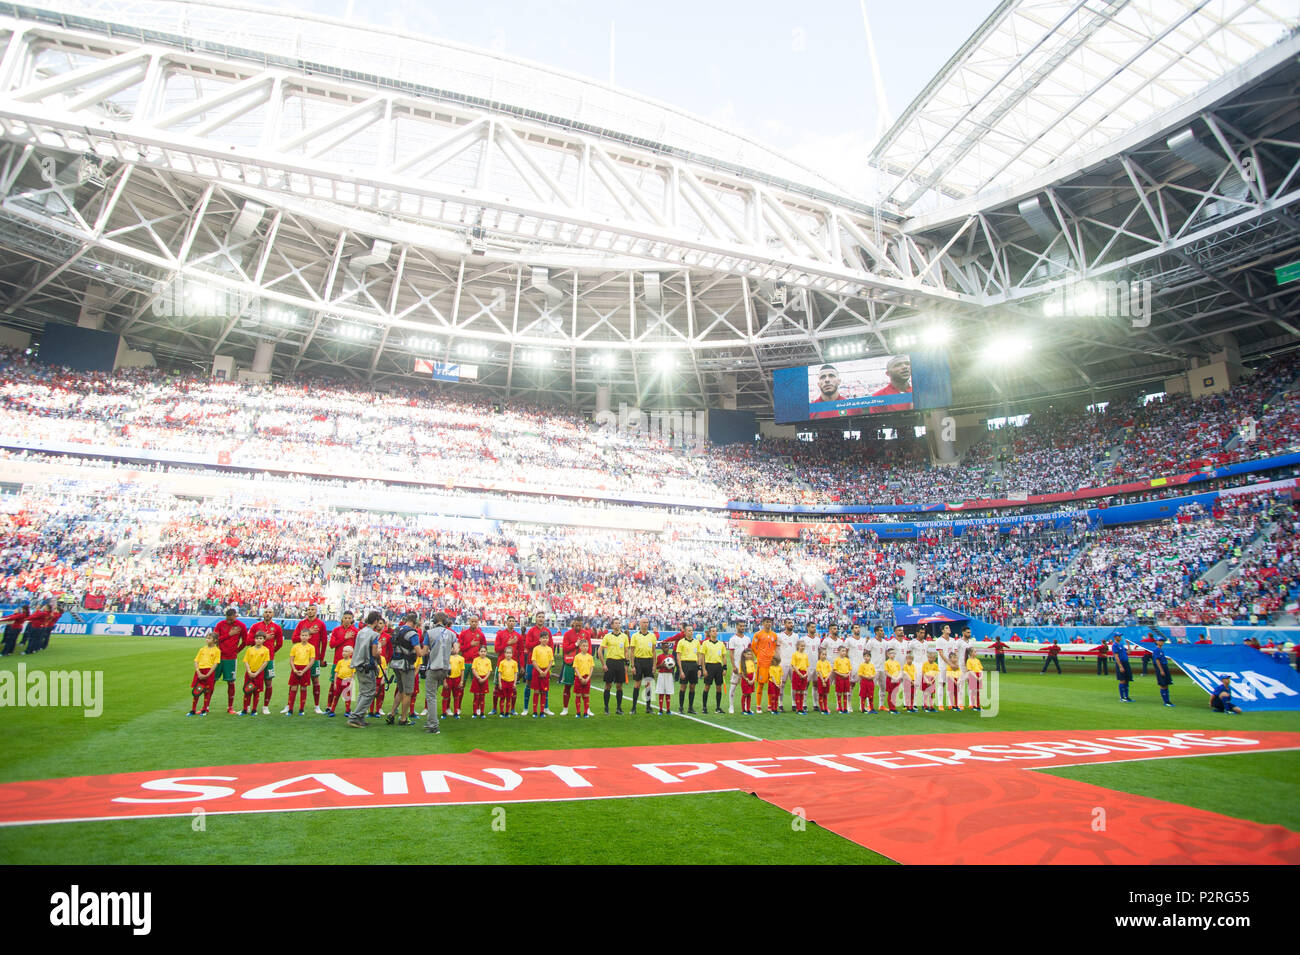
[886,673]
[938,670]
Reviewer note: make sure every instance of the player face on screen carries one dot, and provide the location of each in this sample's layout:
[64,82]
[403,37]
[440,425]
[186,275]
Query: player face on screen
[899,371]
[789,625]
[347,618]
[311,613]
[828,383]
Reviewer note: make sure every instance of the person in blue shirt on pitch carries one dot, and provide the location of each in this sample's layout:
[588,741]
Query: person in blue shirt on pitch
[1123,672]
[1221,698]
[1161,664]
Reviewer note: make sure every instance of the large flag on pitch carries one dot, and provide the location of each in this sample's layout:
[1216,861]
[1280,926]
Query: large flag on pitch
[1258,681]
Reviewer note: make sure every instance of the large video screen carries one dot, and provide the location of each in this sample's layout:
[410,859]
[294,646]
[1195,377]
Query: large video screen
[862,386]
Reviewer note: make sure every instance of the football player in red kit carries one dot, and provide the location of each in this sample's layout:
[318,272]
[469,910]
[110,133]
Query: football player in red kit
[274,634]
[532,639]
[510,638]
[575,635]
[231,634]
[312,629]
[343,637]
[473,642]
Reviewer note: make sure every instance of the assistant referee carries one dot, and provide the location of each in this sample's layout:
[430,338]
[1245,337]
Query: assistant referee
[613,654]
[643,662]
[688,670]
[714,653]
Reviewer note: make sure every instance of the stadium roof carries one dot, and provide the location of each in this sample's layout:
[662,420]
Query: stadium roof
[377,221]
[1043,81]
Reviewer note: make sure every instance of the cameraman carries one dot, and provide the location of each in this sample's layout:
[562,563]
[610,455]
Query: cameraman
[367,662]
[405,642]
[439,644]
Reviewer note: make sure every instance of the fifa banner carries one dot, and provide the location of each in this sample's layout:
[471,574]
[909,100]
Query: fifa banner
[1258,681]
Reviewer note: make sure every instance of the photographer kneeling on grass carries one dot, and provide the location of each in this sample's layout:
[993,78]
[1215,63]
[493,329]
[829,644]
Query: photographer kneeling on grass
[367,662]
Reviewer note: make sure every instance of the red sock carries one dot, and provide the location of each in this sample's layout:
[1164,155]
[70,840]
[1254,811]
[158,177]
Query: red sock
[207,698]
[568,691]
[230,693]
[266,695]
[315,692]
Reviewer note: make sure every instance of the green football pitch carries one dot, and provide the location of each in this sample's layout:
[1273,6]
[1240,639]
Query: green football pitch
[143,728]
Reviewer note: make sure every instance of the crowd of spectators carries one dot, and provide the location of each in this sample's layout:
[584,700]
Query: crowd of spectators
[329,428]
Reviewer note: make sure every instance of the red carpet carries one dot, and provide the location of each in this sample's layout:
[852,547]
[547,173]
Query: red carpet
[944,798]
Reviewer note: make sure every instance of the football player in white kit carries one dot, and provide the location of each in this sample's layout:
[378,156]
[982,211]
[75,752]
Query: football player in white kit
[857,649]
[943,647]
[786,643]
[961,649]
[736,646]
[876,647]
[917,648]
[832,642]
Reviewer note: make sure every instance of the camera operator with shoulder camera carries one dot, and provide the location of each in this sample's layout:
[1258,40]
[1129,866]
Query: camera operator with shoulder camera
[367,662]
[405,654]
[439,644]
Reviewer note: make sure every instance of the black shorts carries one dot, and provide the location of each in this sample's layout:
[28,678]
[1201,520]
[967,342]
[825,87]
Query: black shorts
[645,667]
[1123,672]
[1216,704]
[1164,679]
[691,672]
[713,674]
[616,671]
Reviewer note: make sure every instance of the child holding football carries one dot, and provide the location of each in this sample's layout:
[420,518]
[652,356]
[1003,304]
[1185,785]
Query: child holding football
[665,668]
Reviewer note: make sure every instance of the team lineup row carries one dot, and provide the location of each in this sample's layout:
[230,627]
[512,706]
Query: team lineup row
[367,660]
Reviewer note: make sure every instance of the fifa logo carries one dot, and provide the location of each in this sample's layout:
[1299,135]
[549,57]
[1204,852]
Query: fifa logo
[1096,299]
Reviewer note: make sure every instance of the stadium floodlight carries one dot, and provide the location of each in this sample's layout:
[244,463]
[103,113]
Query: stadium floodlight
[936,335]
[665,361]
[539,357]
[602,359]
[355,332]
[280,315]
[1006,348]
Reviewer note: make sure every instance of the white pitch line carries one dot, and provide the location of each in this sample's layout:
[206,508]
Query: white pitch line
[718,726]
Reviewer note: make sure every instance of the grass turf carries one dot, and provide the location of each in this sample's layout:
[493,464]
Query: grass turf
[142,727]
